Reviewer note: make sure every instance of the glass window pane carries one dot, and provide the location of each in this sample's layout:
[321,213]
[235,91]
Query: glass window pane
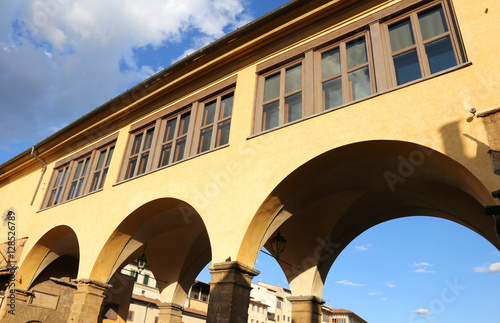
[226,108]
[78,169]
[137,144]
[143,163]
[332,93]
[131,167]
[223,133]
[170,130]
[100,161]
[432,23]
[78,190]
[179,149]
[208,113]
[165,155]
[330,63]
[72,190]
[104,173]
[184,124]
[359,81]
[407,67]
[95,179]
[205,138]
[110,154]
[293,78]
[85,166]
[272,87]
[148,139]
[293,107]
[401,35]
[270,115]
[356,53]
[440,54]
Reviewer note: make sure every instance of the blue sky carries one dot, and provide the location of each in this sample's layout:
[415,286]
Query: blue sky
[59,59]
[410,270]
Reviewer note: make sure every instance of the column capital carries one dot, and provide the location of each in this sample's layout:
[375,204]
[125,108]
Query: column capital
[170,306]
[306,308]
[307,298]
[170,313]
[234,265]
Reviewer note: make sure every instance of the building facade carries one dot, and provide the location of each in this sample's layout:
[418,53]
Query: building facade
[321,119]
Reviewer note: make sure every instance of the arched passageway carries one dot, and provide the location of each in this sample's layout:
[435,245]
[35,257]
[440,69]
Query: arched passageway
[326,203]
[175,242]
[44,279]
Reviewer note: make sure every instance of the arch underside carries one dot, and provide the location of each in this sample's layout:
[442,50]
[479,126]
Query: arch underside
[326,203]
[174,240]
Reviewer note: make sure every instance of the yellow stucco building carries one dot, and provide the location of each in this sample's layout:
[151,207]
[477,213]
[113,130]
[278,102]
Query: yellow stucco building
[322,119]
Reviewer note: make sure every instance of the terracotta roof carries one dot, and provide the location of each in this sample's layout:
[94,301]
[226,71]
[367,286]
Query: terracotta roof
[146,299]
[192,310]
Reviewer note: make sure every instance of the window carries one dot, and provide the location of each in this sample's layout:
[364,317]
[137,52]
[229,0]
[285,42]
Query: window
[139,152]
[174,139]
[345,73]
[215,118]
[101,169]
[56,191]
[421,44]
[146,279]
[282,95]
[191,126]
[130,316]
[71,177]
[391,47]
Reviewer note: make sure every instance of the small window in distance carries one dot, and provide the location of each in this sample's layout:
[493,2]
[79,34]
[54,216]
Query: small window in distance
[173,147]
[140,152]
[345,73]
[130,316]
[215,118]
[146,279]
[156,319]
[57,188]
[101,169]
[282,96]
[421,44]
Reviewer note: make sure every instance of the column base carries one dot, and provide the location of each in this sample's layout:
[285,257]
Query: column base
[87,301]
[170,313]
[230,292]
[306,309]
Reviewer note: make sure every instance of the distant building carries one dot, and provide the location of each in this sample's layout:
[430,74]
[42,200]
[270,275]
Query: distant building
[340,316]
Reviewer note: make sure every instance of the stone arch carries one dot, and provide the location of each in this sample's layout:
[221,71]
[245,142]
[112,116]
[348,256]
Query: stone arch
[57,242]
[175,241]
[327,202]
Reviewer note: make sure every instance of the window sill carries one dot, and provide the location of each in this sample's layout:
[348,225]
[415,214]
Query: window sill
[423,79]
[170,165]
[76,198]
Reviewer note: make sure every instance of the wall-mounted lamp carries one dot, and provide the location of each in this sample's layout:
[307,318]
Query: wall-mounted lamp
[278,244]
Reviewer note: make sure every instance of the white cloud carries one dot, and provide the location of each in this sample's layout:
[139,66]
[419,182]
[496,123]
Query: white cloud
[61,59]
[390,284]
[374,293]
[362,247]
[348,283]
[384,299]
[424,271]
[481,269]
[423,264]
[422,311]
[493,268]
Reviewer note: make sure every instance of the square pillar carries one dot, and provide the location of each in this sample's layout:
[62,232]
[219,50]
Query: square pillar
[170,313]
[230,292]
[88,300]
[306,309]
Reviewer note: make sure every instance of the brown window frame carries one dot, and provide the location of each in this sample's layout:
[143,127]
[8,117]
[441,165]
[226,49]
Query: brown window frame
[345,71]
[419,43]
[215,125]
[145,149]
[70,164]
[176,137]
[102,172]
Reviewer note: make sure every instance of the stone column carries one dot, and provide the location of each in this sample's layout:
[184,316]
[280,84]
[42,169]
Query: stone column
[230,292]
[306,309]
[170,313]
[87,302]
